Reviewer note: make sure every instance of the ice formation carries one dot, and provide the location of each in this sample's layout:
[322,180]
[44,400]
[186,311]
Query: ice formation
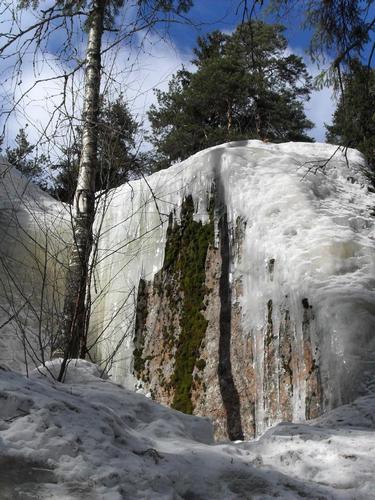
[301,259]
[34,234]
[288,311]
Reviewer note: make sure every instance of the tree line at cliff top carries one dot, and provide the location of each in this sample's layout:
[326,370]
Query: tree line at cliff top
[244,85]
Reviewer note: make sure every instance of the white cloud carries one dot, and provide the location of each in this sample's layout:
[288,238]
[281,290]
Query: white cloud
[42,102]
[320,107]
[29,92]
[319,110]
[136,70]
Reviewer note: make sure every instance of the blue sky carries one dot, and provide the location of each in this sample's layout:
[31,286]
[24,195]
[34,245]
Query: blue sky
[139,73]
[208,15]
[224,15]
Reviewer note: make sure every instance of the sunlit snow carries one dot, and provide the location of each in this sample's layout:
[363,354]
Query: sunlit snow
[92,439]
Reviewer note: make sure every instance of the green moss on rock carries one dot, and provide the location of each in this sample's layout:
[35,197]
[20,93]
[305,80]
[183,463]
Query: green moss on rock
[139,362]
[185,258]
[181,283]
[200,364]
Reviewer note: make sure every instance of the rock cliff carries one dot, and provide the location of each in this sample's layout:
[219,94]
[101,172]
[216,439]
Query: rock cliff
[239,284]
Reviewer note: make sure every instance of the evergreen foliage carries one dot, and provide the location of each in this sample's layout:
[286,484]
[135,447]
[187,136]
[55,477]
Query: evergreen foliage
[22,157]
[340,28]
[354,119]
[246,86]
[117,161]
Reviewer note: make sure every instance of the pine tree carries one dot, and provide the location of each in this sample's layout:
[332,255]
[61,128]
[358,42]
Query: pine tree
[22,158]
[117,160]
[354,119]
[245,87]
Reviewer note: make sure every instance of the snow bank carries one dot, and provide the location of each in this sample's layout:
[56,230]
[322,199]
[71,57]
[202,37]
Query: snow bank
[95,440]
[77,371]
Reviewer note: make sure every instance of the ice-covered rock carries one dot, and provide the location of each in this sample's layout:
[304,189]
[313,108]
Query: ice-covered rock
[283,318]
[238,284]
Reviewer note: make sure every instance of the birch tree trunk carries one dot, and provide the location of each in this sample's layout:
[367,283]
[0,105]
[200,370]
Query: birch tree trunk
[73,327]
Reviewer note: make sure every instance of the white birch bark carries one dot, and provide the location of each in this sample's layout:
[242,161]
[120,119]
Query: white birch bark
[73,327]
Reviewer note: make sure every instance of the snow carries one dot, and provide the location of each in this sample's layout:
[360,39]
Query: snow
[318,228]
[92,439]
[75,370]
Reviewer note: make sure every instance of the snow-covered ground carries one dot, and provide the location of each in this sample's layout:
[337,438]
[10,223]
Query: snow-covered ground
[92,439]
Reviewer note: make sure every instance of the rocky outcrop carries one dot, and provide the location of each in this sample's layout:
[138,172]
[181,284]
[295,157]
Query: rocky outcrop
[194,355]
[170,324]
[236,285]
[244,291]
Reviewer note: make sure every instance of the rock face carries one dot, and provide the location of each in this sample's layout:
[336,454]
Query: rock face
[239,285]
